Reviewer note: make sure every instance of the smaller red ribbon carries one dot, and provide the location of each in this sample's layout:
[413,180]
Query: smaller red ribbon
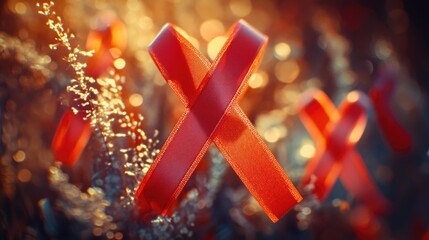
[336,131]
[73,132]
[365,223]
[108,38]
[71,137]
[396,135]
[212,114]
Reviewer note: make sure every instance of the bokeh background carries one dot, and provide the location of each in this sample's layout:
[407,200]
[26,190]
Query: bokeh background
[336,46]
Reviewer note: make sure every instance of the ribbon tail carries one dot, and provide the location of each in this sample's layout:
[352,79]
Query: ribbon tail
[358,182]
[396,136]
[254,163]
[326,170]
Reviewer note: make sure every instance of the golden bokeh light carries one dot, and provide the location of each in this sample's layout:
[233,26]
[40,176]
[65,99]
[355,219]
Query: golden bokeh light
[258,80]
[214,46]
[282,51]
[211,28]
[20,8]
[136,100]
[353,96]
[274,134]
[19,156]
[287,71]
[307,150]
[119,63]
[145,23]
[240,8]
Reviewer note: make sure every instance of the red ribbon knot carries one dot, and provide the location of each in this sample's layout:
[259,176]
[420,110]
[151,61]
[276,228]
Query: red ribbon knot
[336,132]
[210,93]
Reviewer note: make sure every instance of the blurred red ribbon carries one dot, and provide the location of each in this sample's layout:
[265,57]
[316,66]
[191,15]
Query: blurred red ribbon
[336,132]
[211,93]
[107,38]
[71,137]
[398,138]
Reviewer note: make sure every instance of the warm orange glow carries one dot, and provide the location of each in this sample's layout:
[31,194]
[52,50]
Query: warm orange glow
[282,51]
[211,28]
[240,8]
[258,80]
[136,100]
[119,63]
[24,175]
[19,156]
[287,71]
[108,32]
[307,150]
[20,8]
[215,46]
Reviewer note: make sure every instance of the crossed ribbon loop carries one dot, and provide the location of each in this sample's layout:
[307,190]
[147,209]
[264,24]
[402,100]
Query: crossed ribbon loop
[210,93]
[336,132]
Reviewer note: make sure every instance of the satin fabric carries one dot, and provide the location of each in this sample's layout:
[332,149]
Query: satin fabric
[70,138]
[210,93]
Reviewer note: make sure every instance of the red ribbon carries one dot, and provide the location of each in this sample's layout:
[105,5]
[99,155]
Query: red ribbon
[396,136]
[211,93]
[336,132]
[71,137]
[73,132]
[107,36]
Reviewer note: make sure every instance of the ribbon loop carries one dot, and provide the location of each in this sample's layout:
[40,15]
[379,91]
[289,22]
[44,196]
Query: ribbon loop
[335,133]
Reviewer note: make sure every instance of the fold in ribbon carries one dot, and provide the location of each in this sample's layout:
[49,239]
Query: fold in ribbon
[211,93]
[336,132]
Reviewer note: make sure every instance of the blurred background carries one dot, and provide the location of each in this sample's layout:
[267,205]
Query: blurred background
[336,46]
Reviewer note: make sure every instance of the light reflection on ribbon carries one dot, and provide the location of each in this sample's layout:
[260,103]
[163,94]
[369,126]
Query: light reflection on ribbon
[210,93]
[70,138]
[336,131]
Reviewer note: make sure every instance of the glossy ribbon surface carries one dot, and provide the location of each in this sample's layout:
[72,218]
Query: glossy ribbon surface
[210,93]
[70,138]
[336,132]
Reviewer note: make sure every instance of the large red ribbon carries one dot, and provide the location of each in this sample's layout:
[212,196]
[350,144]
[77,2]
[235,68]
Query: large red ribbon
[210,94]
[336,132]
